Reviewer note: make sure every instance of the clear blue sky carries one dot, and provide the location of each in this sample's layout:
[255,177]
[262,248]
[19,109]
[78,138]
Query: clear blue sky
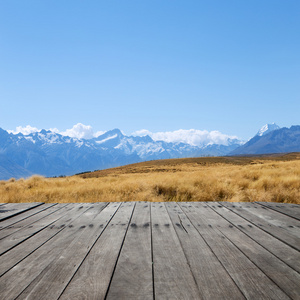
[220,65]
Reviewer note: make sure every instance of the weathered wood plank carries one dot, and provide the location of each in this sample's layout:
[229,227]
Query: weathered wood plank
[132,278]
[24,273]
[9,210]
[273,217]
[18,253]
[92,279]
[22,216]
[275,231]
[292,210]
[286,278]
[5,232]
[173,278]
[19,236]
[57,275]
[216,251]
[281,250]
[252,282]
[212,279]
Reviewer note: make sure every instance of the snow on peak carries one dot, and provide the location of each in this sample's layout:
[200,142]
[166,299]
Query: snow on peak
[107,139]
[267,128]
[191,137]
[78,131]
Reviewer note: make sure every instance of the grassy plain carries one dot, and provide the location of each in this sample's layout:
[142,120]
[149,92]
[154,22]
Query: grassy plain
[273,178]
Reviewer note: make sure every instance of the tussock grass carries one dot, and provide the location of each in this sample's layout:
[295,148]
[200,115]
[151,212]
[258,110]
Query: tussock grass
[175,180]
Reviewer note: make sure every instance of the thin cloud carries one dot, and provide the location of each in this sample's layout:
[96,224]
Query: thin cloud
[193,137]
[79,131]
[24,130]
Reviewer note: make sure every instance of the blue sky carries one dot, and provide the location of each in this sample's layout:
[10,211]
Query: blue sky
[160,65]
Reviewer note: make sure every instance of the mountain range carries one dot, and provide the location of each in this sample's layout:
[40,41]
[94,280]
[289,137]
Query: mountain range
[277,140]
[50,154]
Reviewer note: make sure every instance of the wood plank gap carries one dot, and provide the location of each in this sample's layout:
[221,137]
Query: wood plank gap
[18,254]
[88,252]
[43,243]
[152,260]
[20,211]
[173,278]
[252,281]
[213,280]
[218,259]
[92,278]
[12,241]
[52,278]
[286,278]
[105,297]
[215,255]
[132,278]
[180,242]
[14,220]
[291,214]
[27,222]
[281,250]
[275,218]
[284,237]
[19,278]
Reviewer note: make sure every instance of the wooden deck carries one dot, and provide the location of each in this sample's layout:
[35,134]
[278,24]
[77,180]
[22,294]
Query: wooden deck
[140,250]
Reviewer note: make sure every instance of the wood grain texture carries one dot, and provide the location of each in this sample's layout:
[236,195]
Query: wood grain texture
[17,254]
[142,250]
[212,279]
[5,232]
[94,275]
[20,276]
[15,219]
[57,275]
[286,278]
[291,210]
[173,278]
[253,283]
[281,250]
[132,278]
[11,209]
[275,218]
[19,236]
[277,232]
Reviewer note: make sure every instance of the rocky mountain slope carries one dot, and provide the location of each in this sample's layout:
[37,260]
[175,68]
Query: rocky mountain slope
[281,140]
[51,154]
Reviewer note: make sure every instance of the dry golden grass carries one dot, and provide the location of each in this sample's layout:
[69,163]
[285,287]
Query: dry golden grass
[275,179]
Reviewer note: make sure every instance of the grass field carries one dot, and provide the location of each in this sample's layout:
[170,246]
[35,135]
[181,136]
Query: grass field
[273,178]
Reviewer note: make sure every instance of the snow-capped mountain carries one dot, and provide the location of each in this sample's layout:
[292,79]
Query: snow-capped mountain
[52,154]
[267,128]
[49,153]
[281,140]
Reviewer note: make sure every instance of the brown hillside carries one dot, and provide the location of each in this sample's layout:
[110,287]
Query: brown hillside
[273,178]
[169,165]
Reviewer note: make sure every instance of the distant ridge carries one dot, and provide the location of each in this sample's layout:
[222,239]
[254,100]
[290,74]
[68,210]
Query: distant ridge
[49,153]
[281,140]
[9,169]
